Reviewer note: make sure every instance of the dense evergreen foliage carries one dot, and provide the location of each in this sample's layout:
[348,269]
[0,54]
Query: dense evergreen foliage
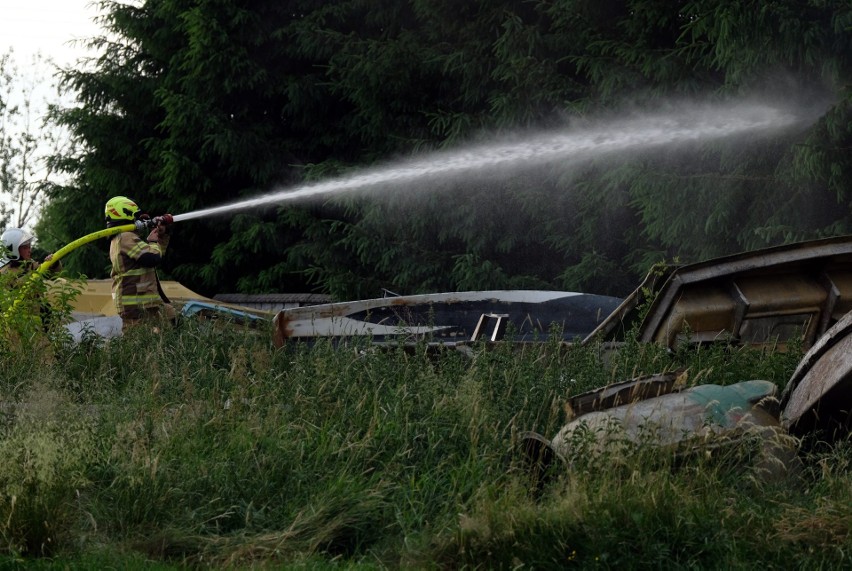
[196,103]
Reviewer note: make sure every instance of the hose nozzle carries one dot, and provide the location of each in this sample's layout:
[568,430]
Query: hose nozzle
[164,220]
[151,223]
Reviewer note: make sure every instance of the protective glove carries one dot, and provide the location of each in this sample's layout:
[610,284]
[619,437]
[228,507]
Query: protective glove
[164,223]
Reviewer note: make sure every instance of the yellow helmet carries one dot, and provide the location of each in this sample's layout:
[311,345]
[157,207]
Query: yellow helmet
[120,208]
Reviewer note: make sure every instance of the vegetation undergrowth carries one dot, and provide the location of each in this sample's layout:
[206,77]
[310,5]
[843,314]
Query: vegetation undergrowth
[205,446]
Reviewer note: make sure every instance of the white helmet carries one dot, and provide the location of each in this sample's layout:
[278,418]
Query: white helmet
[13,239]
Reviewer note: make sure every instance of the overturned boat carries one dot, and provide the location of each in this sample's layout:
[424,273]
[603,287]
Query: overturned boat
[817,400]
[767,297]
[449,318]
[661,412]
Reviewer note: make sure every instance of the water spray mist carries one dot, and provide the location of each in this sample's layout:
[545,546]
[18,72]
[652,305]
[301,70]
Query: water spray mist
[704,123]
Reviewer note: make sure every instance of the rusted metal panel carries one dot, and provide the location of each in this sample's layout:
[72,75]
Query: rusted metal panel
[708,314]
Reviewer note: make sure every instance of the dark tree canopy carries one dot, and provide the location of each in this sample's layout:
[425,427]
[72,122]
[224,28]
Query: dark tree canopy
[196,104]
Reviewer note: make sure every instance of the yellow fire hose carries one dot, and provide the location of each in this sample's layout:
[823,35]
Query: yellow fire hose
[58,255]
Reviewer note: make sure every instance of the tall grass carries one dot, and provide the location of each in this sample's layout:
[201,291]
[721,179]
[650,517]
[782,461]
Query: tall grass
[205,446]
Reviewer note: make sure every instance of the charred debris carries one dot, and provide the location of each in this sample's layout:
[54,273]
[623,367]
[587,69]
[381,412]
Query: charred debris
[798,293]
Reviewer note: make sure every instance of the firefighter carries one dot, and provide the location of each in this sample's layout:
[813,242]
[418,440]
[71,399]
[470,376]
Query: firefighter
[17,263]
[18,242]
[136,289]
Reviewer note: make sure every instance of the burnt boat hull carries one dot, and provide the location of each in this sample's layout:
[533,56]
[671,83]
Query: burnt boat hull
[765,298]
[449,317]
[818,397]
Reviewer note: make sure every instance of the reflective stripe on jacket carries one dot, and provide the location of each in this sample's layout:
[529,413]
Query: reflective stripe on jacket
[134,285]
[23,268]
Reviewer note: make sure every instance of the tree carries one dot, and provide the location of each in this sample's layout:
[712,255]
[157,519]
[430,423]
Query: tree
[189,106]
[195,104]
[29,139]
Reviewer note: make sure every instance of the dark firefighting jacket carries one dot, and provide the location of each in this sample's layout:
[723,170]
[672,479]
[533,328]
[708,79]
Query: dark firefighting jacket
[134,274]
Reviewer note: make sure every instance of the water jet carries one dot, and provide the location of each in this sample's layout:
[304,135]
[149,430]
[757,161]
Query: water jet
[663,130]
